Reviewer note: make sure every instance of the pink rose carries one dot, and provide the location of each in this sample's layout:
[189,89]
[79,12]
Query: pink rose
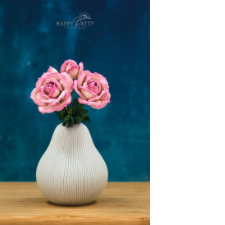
[71,67]
[53,91]
[93,89]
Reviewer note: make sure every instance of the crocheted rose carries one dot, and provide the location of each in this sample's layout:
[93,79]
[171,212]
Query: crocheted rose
[71,67]
[93,89]
[53,91]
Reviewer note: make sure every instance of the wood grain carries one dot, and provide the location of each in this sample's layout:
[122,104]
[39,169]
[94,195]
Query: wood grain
[120,203]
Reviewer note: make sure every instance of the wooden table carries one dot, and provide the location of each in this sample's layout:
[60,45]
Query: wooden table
[120,203]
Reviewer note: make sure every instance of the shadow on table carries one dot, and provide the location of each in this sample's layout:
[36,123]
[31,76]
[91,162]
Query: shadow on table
[105,200]
[102,200]
[91,203]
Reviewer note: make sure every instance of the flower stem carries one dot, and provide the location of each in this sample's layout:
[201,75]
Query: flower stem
[68,112]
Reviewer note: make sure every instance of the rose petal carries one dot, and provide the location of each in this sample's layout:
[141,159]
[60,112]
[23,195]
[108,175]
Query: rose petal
[97,97]
[64,85]
[44,75]
[104,84]
[81,78]
[69,81]
[57,107]
[106,96]
[85,85]
[33,96]
[96,105]
[55,81]
[88,78]
[64,102]
[81,65]
[57,76]
[87,93]
[44,92]
[82,101]
[74,72]
[52,70]
[94,86]
[70,65]
[78,92]
[98,77]
[47,109]
[40,83]
[64,65]
[41,98]
[56,101]
[54,92]
[99,104]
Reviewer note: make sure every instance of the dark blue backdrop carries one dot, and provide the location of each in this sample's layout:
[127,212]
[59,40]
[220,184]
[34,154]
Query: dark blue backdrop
[117,46]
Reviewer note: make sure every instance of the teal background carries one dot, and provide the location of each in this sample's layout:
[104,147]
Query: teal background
[117,46]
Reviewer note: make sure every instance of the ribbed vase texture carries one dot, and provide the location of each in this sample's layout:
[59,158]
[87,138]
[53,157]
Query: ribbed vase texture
[71,171]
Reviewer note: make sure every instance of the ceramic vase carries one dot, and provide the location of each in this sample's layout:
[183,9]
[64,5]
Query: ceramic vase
[71,171]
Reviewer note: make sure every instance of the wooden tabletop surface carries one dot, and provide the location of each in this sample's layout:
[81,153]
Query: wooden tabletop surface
[120,203]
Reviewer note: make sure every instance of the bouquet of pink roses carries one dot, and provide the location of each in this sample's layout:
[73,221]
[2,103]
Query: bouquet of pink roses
[54,92]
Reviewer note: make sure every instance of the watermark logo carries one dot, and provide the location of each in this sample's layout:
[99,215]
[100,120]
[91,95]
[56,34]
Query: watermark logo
[80,22]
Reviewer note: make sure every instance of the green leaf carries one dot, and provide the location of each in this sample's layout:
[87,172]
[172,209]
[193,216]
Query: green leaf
[66,118]
[64,113]
[77,119]
[69,124]
[83,113]
[86,119]
[76,103]
[78,112]
[76,107]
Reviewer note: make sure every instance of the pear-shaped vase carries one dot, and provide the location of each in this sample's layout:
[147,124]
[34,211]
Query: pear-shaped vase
[71,171]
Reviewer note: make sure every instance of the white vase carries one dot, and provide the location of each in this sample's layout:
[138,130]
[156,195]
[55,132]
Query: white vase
[71,171]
